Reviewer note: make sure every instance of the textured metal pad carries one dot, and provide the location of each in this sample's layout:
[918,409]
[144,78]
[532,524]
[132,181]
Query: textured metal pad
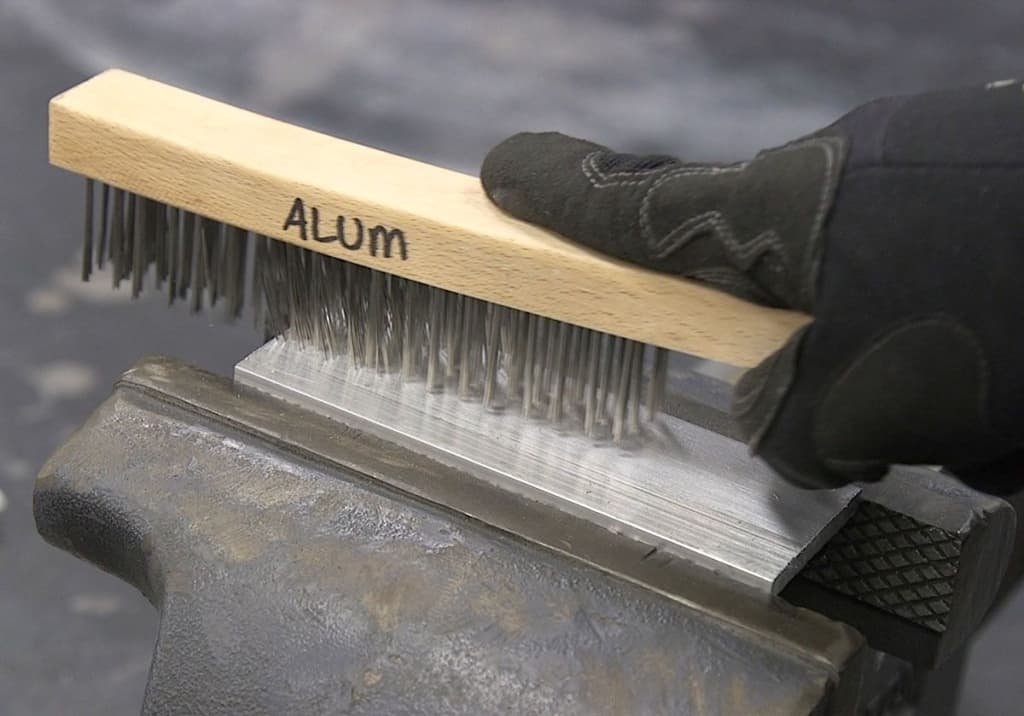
[686,492]
[892,562]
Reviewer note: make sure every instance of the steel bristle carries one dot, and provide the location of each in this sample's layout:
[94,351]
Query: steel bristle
[573,377]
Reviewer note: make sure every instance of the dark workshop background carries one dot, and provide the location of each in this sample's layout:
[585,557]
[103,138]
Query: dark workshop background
[440,80]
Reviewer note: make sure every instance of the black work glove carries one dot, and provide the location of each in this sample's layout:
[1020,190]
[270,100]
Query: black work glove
[900,228]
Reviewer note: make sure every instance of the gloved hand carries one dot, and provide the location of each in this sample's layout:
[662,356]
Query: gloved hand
[899,228]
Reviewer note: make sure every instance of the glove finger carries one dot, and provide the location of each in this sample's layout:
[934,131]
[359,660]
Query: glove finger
[751,229]
[575,188]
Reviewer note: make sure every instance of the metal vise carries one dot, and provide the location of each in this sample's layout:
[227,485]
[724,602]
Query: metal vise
[306,565]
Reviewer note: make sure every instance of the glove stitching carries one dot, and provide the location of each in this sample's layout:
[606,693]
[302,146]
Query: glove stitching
[645,205]
[743,253]
[599,179]
[831,146]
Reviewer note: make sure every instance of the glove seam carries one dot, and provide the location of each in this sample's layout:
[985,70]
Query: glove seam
[744,255]
[811,263]
[600,179]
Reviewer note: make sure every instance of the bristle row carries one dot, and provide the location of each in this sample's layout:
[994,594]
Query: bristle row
[510,360]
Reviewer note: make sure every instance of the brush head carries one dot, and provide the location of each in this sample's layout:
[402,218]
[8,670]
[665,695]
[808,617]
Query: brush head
[386,212]
[510,360]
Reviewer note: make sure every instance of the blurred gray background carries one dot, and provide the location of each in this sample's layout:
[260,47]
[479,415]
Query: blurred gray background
[439,80]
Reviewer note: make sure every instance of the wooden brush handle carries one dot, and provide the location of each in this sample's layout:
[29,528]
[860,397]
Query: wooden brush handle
[384,211]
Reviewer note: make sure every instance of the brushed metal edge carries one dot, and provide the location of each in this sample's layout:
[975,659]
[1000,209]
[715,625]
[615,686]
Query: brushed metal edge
[688,492]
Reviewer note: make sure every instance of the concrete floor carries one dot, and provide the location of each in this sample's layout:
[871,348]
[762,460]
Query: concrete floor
[440,80]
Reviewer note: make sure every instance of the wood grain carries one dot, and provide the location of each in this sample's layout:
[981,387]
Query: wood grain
[247,170]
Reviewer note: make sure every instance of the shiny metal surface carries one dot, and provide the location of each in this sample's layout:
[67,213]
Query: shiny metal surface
[686,492]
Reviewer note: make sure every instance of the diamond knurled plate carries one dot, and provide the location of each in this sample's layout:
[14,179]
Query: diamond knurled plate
[892,562]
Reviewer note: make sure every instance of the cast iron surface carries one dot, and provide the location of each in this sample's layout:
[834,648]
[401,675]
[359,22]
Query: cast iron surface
[288,586]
